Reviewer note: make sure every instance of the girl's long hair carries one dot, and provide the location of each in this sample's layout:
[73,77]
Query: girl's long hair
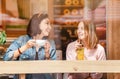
[92,39]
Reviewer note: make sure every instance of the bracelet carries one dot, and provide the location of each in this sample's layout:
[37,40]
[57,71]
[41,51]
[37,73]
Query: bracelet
[19,51]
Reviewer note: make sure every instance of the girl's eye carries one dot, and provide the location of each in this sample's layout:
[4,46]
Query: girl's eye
[82,28]
[47,23]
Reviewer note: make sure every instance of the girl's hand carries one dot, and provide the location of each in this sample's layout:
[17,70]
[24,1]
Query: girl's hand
[30,44]
[47,49]
[47,46]
[78,45]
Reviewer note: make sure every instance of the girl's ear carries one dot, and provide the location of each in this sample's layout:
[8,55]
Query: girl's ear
[40,27]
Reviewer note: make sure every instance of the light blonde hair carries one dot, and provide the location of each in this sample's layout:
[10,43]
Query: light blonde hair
[92,39]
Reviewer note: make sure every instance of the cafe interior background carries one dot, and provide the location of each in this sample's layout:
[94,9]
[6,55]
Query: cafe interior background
[64,15]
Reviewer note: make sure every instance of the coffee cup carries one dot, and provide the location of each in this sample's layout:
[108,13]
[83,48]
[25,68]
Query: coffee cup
[41,42]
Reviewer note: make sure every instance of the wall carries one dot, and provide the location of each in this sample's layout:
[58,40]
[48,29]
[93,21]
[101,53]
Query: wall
[113,33]
[38,5]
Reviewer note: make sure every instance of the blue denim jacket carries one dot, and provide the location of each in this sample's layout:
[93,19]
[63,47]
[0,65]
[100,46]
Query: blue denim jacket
[30,53]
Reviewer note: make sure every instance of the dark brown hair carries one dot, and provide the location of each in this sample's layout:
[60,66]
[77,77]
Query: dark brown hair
[33,25]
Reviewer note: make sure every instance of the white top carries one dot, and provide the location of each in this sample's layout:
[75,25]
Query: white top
[89,54]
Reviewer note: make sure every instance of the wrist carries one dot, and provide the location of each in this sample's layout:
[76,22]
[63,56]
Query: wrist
[25,47]
[19,51]
[22,49]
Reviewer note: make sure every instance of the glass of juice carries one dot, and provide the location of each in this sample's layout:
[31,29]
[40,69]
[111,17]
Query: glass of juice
[80,52]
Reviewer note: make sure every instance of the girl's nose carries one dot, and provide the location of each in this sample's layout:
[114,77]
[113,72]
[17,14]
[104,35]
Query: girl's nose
[79,31]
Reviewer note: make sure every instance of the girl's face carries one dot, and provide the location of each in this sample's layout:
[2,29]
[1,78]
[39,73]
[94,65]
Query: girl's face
[81,32]
[45,27]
